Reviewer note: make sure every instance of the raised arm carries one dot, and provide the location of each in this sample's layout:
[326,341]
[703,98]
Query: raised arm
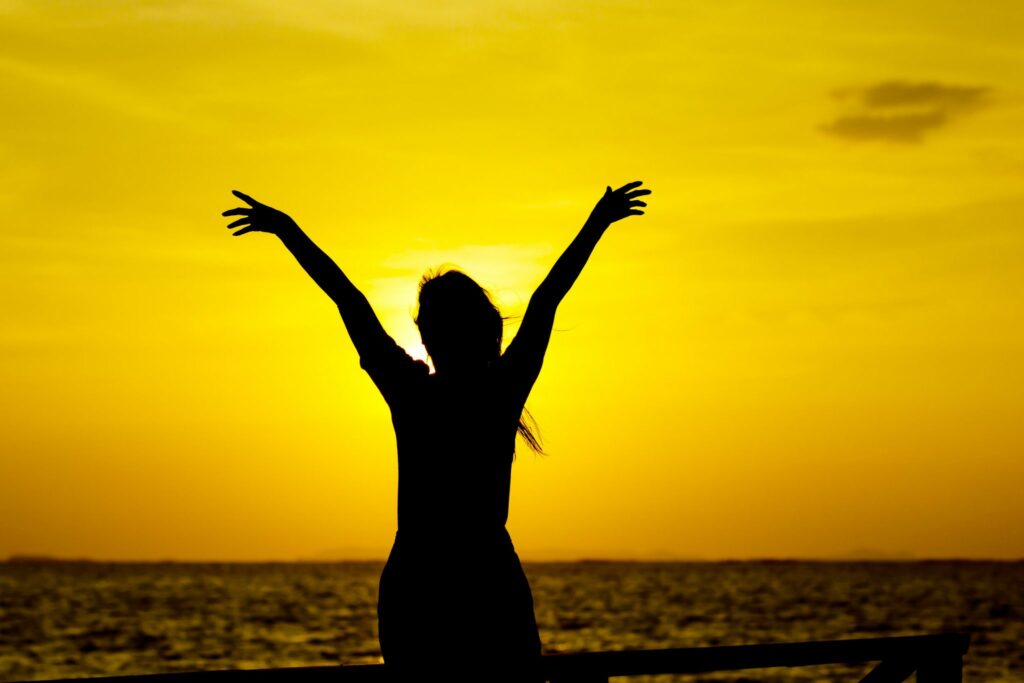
[363,327]
[526,352]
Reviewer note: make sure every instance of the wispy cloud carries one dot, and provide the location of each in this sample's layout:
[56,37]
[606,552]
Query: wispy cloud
[901,111]
[900,93]
[95,89]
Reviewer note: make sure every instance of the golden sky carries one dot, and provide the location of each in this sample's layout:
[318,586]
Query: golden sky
[810,345]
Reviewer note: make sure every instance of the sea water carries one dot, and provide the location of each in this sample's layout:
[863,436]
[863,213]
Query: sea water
[94,619]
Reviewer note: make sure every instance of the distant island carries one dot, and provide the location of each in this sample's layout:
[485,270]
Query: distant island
[48,559]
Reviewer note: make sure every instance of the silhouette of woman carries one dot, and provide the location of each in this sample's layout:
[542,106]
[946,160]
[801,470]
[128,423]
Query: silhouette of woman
[453,596]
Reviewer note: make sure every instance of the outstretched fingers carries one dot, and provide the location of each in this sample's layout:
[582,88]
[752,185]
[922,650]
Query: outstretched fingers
[246,198]
[630,192]
[249,214]
[244,210]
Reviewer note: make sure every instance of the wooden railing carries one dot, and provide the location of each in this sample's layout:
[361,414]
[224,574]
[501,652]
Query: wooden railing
[935,659]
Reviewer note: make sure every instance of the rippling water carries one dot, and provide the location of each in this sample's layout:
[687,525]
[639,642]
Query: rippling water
[70,620]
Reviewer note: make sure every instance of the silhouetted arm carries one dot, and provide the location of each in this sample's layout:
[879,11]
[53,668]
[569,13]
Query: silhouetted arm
[378,352]
[525,355]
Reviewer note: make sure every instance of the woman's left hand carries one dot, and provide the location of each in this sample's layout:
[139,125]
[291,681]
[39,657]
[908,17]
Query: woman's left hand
[259,217]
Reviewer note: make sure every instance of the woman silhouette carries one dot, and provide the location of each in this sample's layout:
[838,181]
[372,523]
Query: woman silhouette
[453,580]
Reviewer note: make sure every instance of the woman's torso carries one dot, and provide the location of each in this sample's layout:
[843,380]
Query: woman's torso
[456,439]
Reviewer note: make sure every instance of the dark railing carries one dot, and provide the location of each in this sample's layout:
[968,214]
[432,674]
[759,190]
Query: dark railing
[935,659]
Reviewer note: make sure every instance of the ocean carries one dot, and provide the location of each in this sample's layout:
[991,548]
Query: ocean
[94,619]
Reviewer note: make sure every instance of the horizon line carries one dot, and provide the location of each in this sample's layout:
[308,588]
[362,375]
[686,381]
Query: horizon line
[16,559]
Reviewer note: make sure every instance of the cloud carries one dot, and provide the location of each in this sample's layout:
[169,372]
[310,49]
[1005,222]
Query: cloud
[894,128]
[900,111]
[899,93]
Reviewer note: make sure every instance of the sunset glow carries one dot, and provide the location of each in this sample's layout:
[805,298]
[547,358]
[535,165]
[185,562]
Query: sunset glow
[810,346]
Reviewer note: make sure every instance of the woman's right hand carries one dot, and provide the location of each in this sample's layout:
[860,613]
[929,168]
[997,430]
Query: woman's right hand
[259,217]
[617,204]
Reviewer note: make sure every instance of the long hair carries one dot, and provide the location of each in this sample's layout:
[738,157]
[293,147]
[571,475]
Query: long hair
[459,323]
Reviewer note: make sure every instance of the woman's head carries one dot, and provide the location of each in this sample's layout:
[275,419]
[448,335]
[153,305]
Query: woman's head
[460,326]
[461,329]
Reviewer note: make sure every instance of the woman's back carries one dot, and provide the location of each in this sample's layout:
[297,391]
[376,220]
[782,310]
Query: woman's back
[453,582]
[455,439]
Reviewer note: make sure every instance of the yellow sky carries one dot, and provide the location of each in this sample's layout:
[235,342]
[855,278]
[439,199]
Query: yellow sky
[811,344]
